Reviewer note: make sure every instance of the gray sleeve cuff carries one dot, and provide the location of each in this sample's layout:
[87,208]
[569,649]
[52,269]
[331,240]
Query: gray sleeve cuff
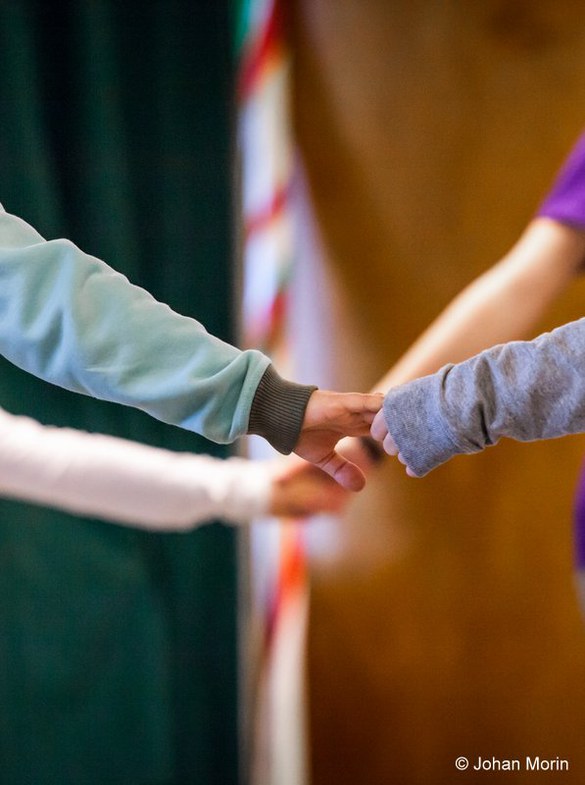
[523,390]
[278,410]
[414,419]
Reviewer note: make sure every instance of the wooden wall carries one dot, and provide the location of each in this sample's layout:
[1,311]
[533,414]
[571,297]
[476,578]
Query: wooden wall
[444,619]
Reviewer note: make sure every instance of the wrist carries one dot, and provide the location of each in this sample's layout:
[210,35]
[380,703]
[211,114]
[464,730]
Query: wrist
[278,410]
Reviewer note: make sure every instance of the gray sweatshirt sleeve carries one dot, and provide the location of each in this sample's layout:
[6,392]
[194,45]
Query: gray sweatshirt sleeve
[523,390]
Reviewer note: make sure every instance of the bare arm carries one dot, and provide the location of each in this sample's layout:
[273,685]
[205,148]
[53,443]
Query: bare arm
[523,390]
[503,304]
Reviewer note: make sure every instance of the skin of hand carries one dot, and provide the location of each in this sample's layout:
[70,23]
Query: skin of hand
[300,490]
[355,451]
[329,416]
[318,493]
[380,432]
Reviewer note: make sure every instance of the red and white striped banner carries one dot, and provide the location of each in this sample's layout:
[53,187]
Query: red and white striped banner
[277,571]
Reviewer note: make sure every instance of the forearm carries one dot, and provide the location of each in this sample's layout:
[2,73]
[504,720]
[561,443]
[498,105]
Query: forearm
[73,321]
[122,481]
[506,303]
[523,390]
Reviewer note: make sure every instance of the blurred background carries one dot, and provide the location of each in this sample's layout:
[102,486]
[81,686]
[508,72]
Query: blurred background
[118,648]
[401,148]
[443,617]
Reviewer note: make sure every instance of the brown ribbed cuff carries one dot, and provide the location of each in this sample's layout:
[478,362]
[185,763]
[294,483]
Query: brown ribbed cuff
[278,410]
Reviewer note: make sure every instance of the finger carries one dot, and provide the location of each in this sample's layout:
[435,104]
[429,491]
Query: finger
[411,473]
[344,472]
[360,403]
[364,452]
[379,429]
[390,445]
[345,413]
[373,402]
[368,418]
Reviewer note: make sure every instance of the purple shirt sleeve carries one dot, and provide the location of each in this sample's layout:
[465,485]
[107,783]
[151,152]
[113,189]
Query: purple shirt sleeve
[565,202]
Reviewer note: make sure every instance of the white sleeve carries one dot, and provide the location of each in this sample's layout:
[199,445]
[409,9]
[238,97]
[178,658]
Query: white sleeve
[123,481]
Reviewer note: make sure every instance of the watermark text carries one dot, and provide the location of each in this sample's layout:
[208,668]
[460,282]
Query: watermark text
[526,763]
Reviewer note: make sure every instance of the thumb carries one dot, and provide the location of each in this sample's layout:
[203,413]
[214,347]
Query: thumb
[344,472]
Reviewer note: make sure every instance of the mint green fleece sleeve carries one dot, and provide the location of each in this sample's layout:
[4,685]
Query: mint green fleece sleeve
[68,318]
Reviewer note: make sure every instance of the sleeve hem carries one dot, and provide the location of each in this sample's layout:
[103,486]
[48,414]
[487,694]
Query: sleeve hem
[278,410]
[413,416]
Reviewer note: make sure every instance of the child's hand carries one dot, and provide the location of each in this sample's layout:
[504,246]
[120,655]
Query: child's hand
[299,490]
[380,432]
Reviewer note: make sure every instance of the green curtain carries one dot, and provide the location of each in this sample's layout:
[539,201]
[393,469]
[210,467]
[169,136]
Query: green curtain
[118,648]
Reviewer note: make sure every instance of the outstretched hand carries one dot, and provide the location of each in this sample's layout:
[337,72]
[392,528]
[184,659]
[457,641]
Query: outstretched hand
[380,432]
[300,490]
[329,416]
